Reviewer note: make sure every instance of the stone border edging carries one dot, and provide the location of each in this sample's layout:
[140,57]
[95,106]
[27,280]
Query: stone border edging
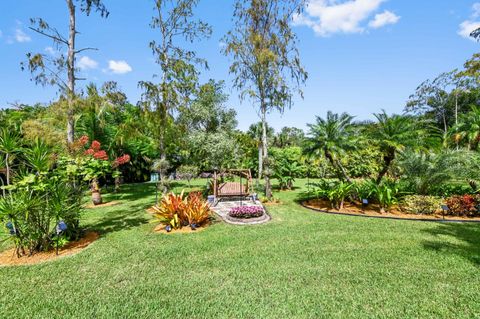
[266,217]
[393,218]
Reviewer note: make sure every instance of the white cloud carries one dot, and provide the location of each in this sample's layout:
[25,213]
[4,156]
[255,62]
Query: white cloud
[466,27]
[21,36]
[50,51]
[86,63]
[119,67]
[383,19]
[476,10]
[470,25]
[327,17]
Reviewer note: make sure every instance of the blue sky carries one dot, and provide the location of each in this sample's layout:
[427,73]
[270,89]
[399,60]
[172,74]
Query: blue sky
[361,55]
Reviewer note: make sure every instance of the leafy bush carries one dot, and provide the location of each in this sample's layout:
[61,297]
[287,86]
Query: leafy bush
[387,195]
[37,201]
[285,172]
[334,191]
[245,212]
[421,205]
[179,211]
[466,205]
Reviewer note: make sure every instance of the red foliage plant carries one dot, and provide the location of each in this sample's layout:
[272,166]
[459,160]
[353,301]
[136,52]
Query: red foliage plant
[464,205]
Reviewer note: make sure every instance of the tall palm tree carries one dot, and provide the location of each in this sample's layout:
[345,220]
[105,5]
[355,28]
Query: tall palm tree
[393,134]
[332,137]
[9,146]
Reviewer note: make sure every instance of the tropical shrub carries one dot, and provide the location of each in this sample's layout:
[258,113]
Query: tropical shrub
[421,204]
[245,212]
[387,196]
[39,200]
[178,210]
[466,205]
[334,191]
[285,172]
[196,209]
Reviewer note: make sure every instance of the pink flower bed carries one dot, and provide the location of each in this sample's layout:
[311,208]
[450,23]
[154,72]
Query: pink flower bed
[245,212]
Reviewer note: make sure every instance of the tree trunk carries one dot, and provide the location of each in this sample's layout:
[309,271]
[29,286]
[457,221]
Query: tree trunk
[260,162]
[7,166]
[456,117]
[266,164]
[387,161]
[344,172]
[71,75]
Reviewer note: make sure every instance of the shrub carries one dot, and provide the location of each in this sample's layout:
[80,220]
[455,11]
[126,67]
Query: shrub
[335,192]
[179,211]
[245,212]
[33,207]
[421,205]
[465,205]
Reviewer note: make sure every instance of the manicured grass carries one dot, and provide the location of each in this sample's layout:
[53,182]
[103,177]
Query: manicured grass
[300,265]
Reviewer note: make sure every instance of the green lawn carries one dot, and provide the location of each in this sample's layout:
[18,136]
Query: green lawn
[300,265]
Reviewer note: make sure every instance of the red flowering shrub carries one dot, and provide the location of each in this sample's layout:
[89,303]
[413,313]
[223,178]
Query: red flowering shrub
[124,159]
[101,155]
[95,146]
[465,205]
[83,140]
[89,152]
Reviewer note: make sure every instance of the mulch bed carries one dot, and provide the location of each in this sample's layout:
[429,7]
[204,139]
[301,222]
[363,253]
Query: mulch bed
[108,204]
[373,210]
[9,258]
[160,229]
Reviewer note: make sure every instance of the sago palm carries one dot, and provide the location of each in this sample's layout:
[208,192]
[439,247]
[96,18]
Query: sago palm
[393,134]
[332,137]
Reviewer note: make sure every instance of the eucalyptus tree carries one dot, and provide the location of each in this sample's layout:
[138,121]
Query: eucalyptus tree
[442,97]
[176,24]
[266,61]
[332,137]
[60,70]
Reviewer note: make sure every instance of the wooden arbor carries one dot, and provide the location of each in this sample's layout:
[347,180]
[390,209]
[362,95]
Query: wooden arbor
[233,189]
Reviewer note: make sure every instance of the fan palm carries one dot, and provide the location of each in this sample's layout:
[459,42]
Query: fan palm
[332,137]
[424,171]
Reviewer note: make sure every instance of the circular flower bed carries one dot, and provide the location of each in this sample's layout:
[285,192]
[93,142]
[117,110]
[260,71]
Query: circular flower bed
[246,212]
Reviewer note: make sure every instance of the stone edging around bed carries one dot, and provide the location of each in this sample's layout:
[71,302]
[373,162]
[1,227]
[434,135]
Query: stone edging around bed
[393,218]
[248,221]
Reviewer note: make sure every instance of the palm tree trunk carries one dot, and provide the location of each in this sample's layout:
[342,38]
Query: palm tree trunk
[344,172]
[387,162]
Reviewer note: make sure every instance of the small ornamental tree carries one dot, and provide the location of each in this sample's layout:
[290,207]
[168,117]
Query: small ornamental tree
[94,163]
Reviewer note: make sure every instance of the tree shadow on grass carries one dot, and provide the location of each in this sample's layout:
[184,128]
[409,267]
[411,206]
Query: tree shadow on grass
[468,234]
[119,220]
